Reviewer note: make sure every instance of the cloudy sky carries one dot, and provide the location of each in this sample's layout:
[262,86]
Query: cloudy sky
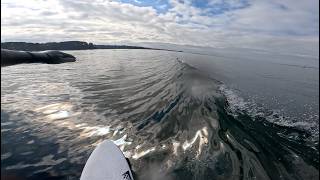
[213,23]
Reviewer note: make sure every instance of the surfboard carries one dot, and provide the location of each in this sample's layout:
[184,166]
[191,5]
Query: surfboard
[106,162]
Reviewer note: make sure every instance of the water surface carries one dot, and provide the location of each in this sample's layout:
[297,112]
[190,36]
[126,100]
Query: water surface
[174,115]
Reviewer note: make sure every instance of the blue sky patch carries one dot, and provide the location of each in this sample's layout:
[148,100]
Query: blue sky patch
[219,7]
[161,6]
[209,8]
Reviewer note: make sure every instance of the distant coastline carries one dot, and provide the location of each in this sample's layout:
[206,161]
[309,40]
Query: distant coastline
[67,45]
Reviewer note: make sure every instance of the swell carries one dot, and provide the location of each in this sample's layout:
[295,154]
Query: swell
[248,147]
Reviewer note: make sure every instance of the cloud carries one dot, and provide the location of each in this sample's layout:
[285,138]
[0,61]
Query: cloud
[279,17]
[215,23]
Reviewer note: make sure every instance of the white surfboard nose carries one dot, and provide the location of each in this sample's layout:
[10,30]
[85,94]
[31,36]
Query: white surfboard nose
[106,162]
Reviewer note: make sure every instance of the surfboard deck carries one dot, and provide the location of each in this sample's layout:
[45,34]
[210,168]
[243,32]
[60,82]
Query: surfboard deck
[106,162]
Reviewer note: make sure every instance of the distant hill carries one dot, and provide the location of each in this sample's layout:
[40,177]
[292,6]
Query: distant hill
[66,45]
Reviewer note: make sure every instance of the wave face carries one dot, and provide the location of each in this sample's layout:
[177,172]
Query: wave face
[171,120]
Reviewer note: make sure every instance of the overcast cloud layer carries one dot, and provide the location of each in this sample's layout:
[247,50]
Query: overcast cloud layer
[214,23]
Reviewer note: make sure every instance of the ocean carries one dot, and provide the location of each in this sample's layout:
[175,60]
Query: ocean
[240,114]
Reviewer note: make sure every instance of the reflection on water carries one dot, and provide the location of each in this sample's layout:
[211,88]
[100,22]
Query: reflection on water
[169,119]
[201,136]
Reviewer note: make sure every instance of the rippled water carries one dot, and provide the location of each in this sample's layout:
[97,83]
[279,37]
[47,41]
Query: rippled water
[171,120]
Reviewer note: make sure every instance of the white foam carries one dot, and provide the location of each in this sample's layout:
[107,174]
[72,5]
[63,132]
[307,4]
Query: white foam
[238,104]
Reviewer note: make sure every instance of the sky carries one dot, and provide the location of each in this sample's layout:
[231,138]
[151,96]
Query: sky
[212,23]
